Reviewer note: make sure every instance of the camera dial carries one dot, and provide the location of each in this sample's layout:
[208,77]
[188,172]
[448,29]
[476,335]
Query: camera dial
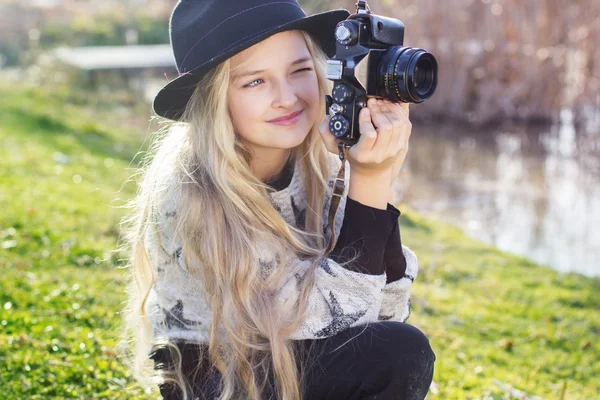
[346,33]
[342,34]
[339,125]
[342,93]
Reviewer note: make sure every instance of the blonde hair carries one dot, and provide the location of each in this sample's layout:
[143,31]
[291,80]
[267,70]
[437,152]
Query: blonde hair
[206,154]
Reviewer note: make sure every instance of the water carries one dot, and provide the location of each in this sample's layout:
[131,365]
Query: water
[526,190]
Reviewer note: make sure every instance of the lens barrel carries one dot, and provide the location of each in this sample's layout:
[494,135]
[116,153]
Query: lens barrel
[406,74]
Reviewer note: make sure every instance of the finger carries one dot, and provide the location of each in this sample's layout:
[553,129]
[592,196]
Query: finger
[399,131]
[398,108]
[383,126]
[368,134]
[397,119]
[394,120]
[405,107]
[406,126]
[328,138]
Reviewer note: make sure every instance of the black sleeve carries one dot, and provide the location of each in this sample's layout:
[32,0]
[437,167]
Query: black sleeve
[366,230]
[393,258]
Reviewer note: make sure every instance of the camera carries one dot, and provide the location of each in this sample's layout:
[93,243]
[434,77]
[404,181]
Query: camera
[371,61]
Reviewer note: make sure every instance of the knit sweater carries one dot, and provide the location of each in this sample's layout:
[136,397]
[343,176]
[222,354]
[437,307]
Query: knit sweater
[341,298]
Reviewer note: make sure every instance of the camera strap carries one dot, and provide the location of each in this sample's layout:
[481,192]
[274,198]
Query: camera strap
[338,191]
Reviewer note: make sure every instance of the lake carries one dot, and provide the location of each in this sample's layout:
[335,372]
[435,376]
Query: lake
[533,191]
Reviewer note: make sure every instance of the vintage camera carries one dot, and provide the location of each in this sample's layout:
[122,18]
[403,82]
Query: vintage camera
[371,61]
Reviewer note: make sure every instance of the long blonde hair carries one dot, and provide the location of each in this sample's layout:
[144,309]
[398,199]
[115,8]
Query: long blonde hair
[205,152]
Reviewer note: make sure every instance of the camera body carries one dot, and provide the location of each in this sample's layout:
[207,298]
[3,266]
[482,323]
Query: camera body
[371,61]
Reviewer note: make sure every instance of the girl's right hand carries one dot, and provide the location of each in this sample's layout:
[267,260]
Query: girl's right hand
[383,138]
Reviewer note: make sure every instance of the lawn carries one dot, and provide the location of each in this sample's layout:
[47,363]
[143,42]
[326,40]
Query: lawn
[500,325]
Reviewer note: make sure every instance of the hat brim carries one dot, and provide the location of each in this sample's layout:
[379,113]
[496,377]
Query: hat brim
[171,100]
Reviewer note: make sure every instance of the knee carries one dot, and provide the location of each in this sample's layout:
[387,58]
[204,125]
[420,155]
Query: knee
[408,343]
[406,365]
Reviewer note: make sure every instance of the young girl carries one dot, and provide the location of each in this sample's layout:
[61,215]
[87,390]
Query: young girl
[240,287]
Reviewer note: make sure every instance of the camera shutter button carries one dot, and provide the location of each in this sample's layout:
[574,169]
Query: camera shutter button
[342,93]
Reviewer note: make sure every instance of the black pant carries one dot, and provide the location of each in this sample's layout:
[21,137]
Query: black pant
[377,361]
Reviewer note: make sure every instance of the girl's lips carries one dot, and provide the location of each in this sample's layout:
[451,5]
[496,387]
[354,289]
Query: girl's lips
[288,121]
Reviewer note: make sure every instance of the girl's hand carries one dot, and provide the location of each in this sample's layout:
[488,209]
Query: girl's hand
[384,131]
[402,112]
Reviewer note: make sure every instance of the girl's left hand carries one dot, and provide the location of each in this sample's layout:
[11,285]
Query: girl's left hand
[399,112]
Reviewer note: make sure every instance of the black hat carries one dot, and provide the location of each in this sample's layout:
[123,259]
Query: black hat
[204,33]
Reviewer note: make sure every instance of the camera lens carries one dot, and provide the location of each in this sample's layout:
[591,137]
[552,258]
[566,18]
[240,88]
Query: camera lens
[407,74]
[423,74]
[419,77]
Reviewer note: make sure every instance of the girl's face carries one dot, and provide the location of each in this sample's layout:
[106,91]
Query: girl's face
[271,80]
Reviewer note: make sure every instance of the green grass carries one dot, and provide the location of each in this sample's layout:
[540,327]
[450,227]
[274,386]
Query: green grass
[495,321]
[62,181]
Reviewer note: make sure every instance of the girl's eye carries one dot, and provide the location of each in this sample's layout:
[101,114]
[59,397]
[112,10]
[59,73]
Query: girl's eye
[251,84]
[254,82]
[304,69]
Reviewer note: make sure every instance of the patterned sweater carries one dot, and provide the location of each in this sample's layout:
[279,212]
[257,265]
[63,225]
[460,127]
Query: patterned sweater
[341,298]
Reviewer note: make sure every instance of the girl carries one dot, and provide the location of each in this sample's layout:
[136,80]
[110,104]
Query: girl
[244,284]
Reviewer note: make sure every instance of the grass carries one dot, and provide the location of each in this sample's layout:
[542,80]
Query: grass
[498,323]
[62,181]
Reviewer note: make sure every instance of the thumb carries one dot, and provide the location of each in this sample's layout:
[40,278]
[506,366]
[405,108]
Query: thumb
[328,138]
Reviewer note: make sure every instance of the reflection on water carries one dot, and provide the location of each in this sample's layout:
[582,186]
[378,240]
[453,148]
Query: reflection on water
[530,191]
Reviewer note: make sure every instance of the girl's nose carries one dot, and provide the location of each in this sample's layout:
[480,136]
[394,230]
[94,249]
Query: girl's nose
[285,96]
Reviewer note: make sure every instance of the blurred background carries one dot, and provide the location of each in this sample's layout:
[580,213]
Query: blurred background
[507,150]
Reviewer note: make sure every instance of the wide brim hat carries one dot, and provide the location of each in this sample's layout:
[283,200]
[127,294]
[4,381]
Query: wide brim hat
[205,33]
